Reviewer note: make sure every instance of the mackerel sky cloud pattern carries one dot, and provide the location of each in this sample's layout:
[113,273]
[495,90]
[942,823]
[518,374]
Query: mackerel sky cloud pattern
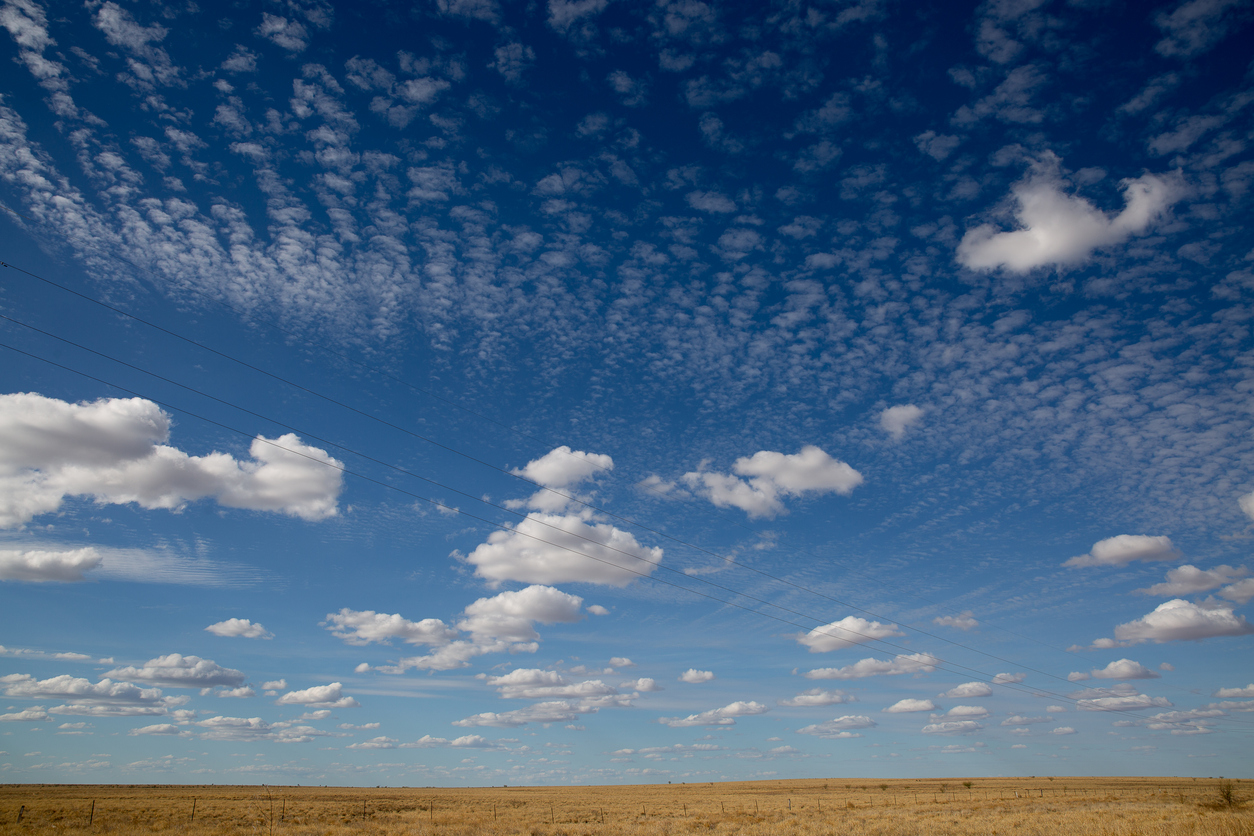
[565,387]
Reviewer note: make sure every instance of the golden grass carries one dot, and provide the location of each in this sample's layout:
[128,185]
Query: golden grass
[1023,807]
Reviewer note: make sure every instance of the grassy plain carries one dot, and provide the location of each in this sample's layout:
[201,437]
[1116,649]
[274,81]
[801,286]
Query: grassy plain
[818,807]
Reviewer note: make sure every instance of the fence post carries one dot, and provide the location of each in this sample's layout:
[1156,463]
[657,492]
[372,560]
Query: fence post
[193,818]
[92,815]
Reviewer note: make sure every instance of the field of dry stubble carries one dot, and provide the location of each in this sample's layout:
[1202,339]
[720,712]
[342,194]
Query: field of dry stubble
[1107,806]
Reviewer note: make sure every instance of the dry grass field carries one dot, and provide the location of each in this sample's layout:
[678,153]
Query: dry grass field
[1022,807]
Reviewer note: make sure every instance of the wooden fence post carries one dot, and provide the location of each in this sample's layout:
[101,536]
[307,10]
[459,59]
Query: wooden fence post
[193,818]
[92,815]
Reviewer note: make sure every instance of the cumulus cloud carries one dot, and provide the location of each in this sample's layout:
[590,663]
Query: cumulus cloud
[953,727]
[177,671]
[967,711]
[557,472]
[113,451]
[897,419]
[563,548]
[533,683]
[1188,579]
[28,715]
[105,698]
[241,628]
[848,632]
[765,478]
[254,728]
[1057,228]
[1228,693]
[969,689]
[839,728]
[1129,702]
[694,676]
[1124,669]
[319,696]
[361,627]
[901,664]
[1125,548]
[1020,720]
[818,697]
[466,741]
[962,621]
[550,711]
[909,705]
[725,716]
[1179,620]
[504,622]
[44,565]
[1009,678]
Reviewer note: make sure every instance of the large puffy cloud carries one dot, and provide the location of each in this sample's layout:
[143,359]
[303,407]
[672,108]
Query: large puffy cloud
[1188,579]
[42,565]
[177,671]
[563,548]
[504,622]
[240,628]
[113,451]
[1057,228]
[83,697]
[901,664]
[1119,669]
[766,477]
[725,716]
[1125,548]
[254,728]
[841,727]
[1180,620]
[1228,693]
[319,696]
[848,632]
[694,677]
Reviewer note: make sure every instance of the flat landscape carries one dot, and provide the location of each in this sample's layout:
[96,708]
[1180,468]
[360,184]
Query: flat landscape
[1021,806]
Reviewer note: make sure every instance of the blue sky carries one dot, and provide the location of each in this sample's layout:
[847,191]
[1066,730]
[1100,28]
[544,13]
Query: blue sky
[593,392]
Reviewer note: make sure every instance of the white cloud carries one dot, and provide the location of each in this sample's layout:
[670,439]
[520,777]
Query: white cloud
[953,727]
[642,684]
[40,565]
[243,692]
[1020,720]
[274,685]
[1227,693]
[551,548]
[366,626]
[897,419]
[1124,669]
[848,632]
[1125,548]
[963,621]
[28,715]
[909,705]
[552,711]
[771,476]
[818,697]
[559,471]
[1063,730]
[533,683]
[1130,702]
[969,689]
[1179,620]
[241,628]
[1057,228]
[725,716]
[1188,579]
[325,696]
[100,699]
[1009,678]
[156,728]
[177,671]
[621,662]
[967,711]
[840,728]
[901,664]
[375,743]
[467,741]
[711,202]
[597,609]
[112,450]
[563,14]
[288,34]
[254,728]
[694,676]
